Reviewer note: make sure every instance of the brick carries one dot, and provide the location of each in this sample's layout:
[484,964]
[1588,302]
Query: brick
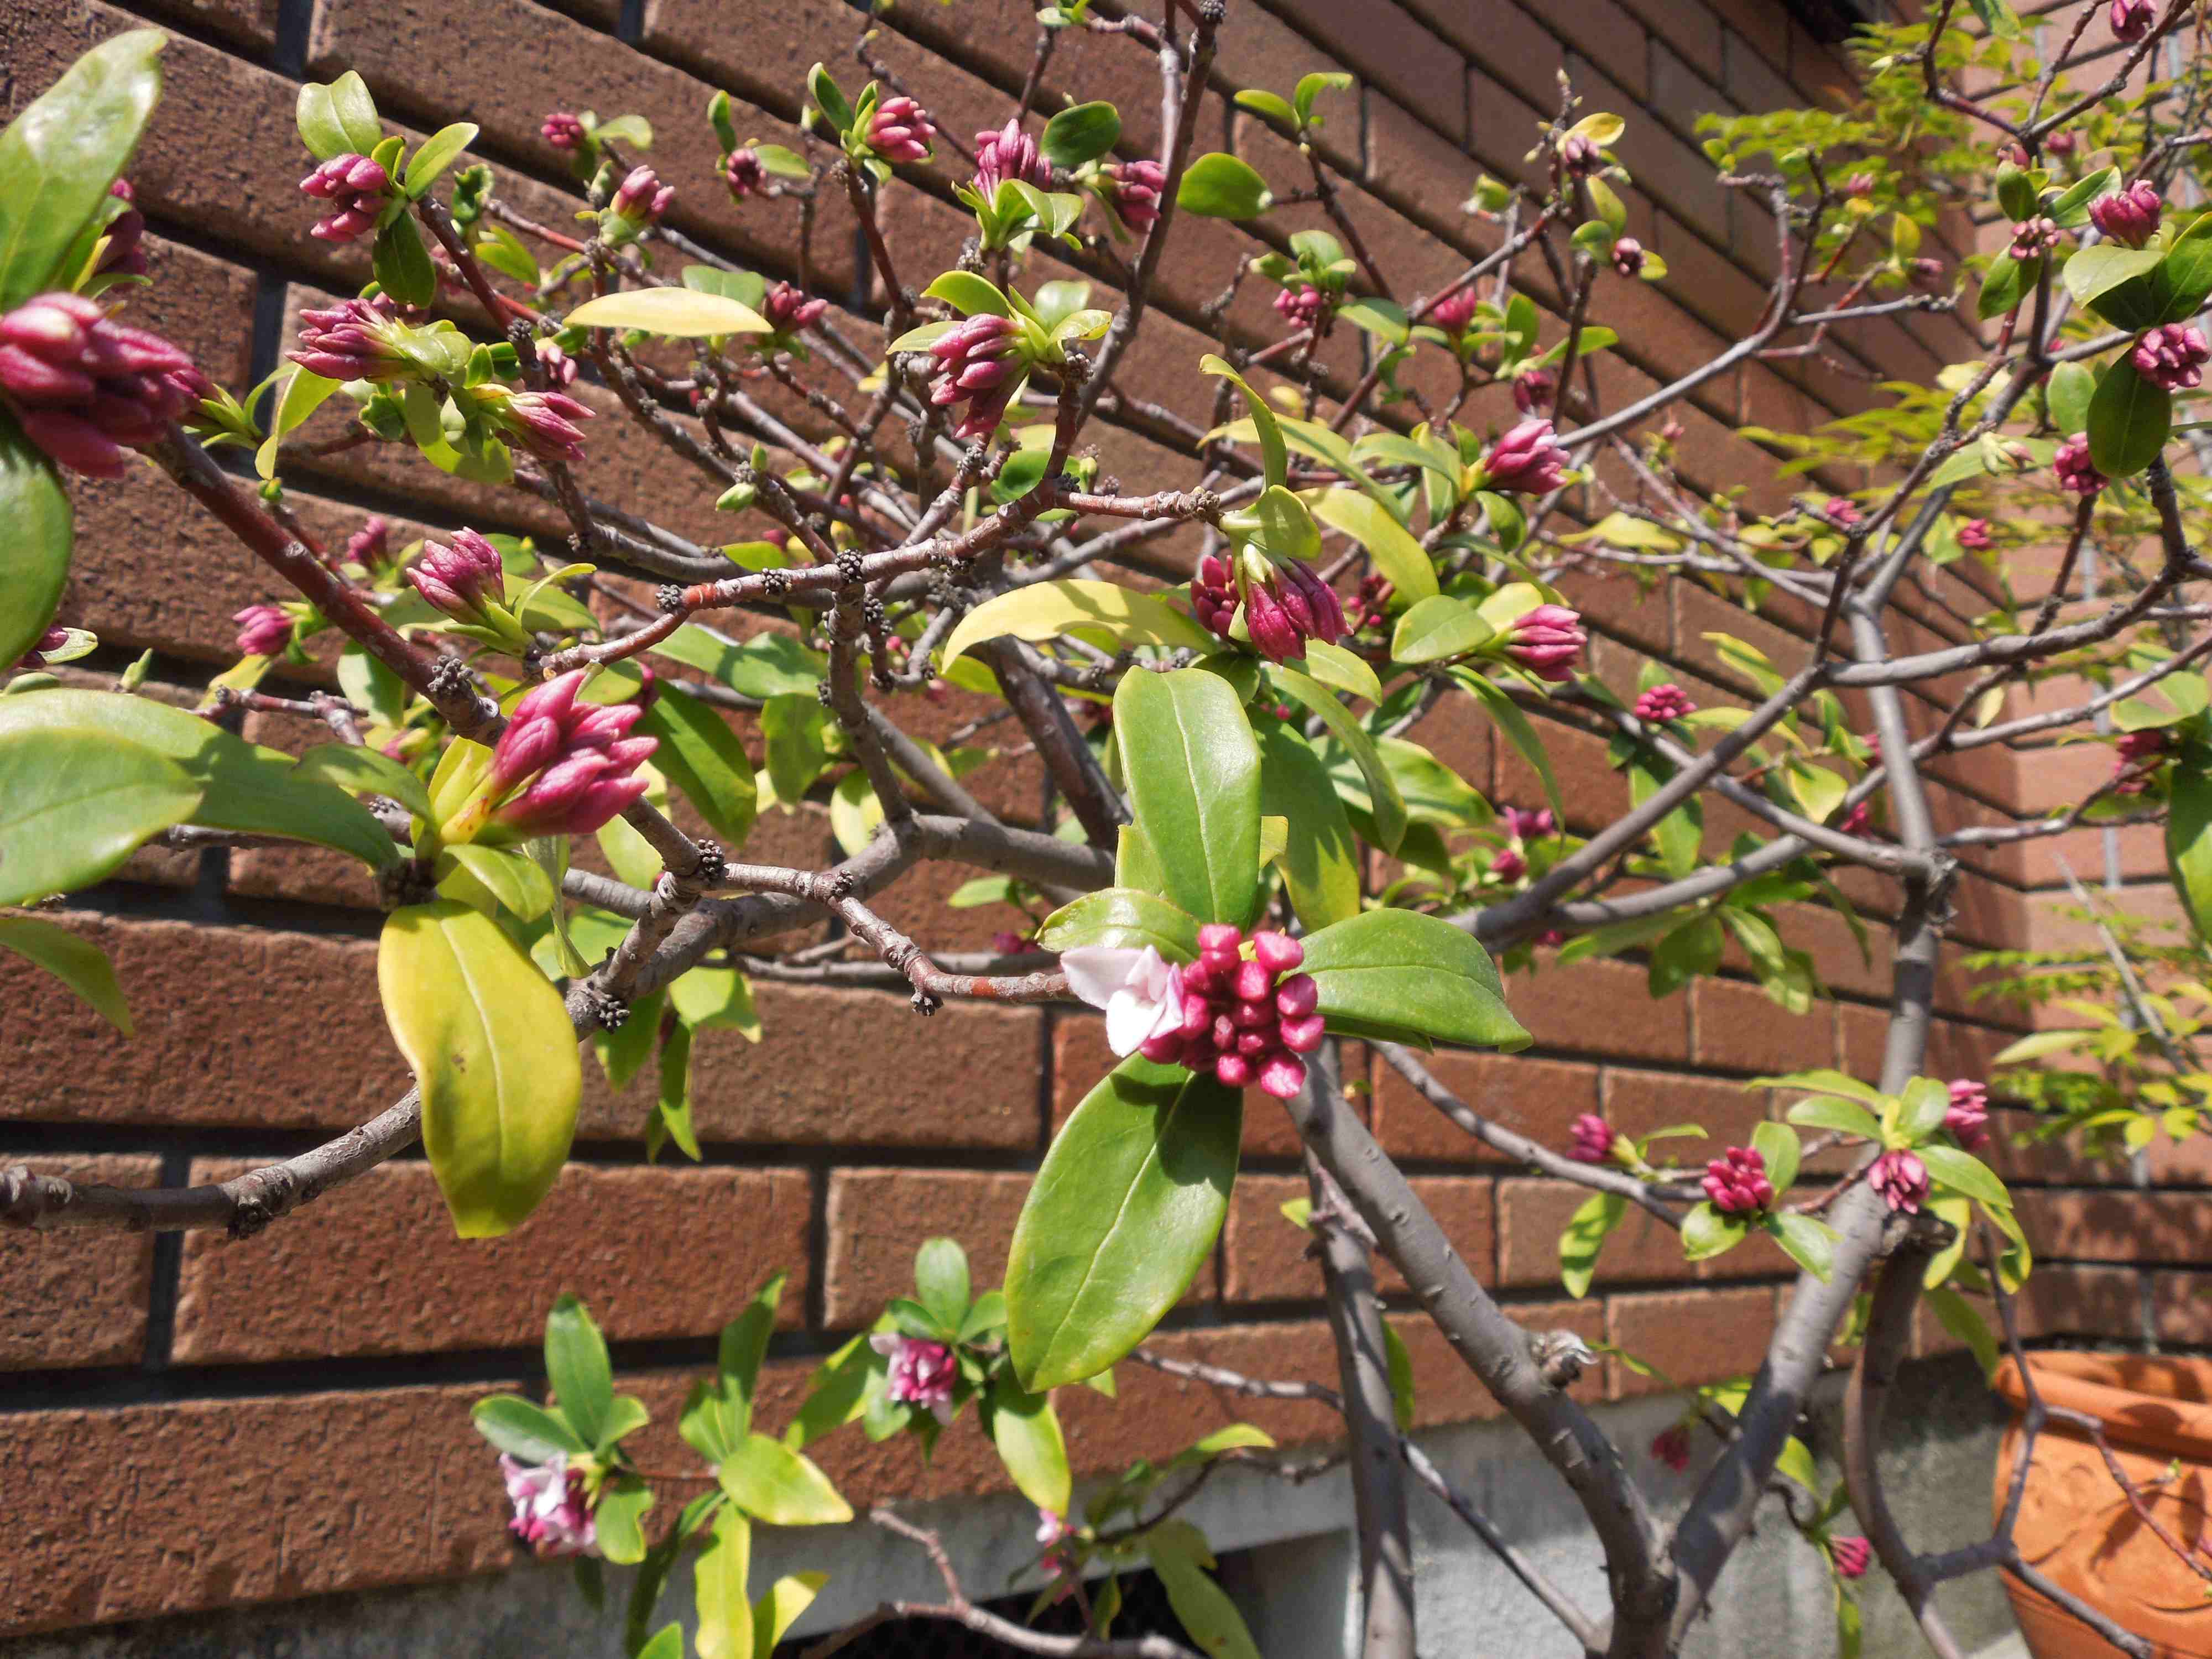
[1740,1029]
[879,1218]
[77,1297]
[1506,39]
[1609,36]
[1557,1013]
[1532,1214]
[1692,1336]
[1267,1259]
[1394,51]
[757,50]
[1446,1391]
[381,1486]
[374,1268]
[1538,1098]
[2182,1304]
[2125,1225]
[249,22]
[1689,29]
[1637,1104]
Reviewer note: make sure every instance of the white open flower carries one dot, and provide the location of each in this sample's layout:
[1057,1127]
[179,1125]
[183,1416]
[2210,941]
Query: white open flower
[1140,991]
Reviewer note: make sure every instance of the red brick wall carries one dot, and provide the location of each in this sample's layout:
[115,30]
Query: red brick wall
[332,1359]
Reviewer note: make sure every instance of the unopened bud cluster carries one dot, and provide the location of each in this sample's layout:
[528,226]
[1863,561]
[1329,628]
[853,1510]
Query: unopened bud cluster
[1737,1184]
[1245,1019]
[979,364]
[86,389]
[357,189]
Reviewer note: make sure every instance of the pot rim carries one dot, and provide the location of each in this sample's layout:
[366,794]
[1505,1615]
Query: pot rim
[2098,1385]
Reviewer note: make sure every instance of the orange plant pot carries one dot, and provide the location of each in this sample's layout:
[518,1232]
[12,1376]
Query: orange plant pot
[2076,1526]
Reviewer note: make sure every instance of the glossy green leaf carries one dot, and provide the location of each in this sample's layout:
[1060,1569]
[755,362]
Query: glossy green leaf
[1268,432]
[667,1642]
[2004,284]
[577,1366]
[2188,837]
[775,1484]
[76,961]
[1321,857]
[74,805]
[403,264]
[621,1517]
[778,1610]
[1811,1243]
[494,1055]
[304,392]
[35,552]
[2108,279]
[438,151]
[704,758]
[794,731]
[1838,1115]
[1273,106]
[1194,783]
[1514,725]
[940,1279]
[1962,1172]
[1105,612]
[1922,1109]
[1706,1232]
[1438,627]
[725,1608]
[1585,1237]
[2067,396]
[338,118]
[1342,670]
[1080,133]
[359,770]
[2184,281]
[970,294]
[57,159]
[1959,1317]
[1120,1219]
[1026,1431]
[679,314]
[765,666]
[1387,972]
[1219,186]
[1779,1147]
[2129,419]
[1397,555]
[1122,916]
[1179,1554]
[524,1430]
[1384,803]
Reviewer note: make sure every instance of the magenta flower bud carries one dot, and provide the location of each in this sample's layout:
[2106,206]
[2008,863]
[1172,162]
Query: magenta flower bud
[459,577]
[1851,1554]
[2141,745]
[641,198]
[1009,153]
[354,340]
[1324,617]
[1525,823]
[1305,306]
[1275,636]
[1166,1049]
[124,257]
[743,172]
[1968,1118]
[1303,1033]
[922,1373]
[2128,217]
[264,630]
[1843,511]
[1527,459]
[1925,273]
[559,367]
[86,389]
[980,361]
[1901,1179]
[1455,311]
[1974,536]
[790,309]
[2172,356]
[1592,1141]
[1217,939]
[357,189]
[1628,256]
[1533,389]
[370,545]
[2032,237]
[1214,595]
[573,797]
[1253,983]
[1548,641]
[545,422]
[1859,184]
[2073,467]
[1737,1184]
[1233,1070]
[1671,1446]
[2131,19]
[1662,703]
[900,131]
[1278,953]
[1581,156]
[552,1507]
[2061,143]
[1857,822]
[1283,1075]
[1508,865]
[563,131]
[1297,996]
[1133,191]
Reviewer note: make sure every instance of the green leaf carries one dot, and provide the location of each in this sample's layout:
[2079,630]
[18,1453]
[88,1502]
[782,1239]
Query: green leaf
[1517,731]
[779,1610]
[304,392]
[1796,1462]
[621,1517]
[34,553]
[1385,318]
[1080,133]
[829,97]
[77,963]
[2107,279]
[667,1642]
[57,159]
[970,294]
[1780,1149]
[1438,627]
[1179,1554]
[1121,1218]
[1218,186]
[74,805]
[2183,280]
[1194,782]
[1707,1232]
[1922,1109]
[524,1430]
[494,1055]
[403,264]
[1962,1172]
[1400,1364]
[703,757]
[725,1610]
[1321,858]
[2067,395]
[793,730]
[1810,1241]
[1342,670]
[1960,1318]
[2005,283]
[1387,805]
[771,1481]
[1388,972]
[680,314]
[2188,841]
[438,152]
[1026,1431]
[1839,1115]
[1311,85]
[1267,432]
[1121,916]
[941,1278]
[2129,419]
[1585,1237]
[338,118]
[1273,106]
[359,770]
[1105,612]
[834,1393]
[577,1366]
[1397,555]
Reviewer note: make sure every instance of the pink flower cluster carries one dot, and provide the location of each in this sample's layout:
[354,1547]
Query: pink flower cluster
[1548,641]
[84,388]
[791,309]
[1968,1118]
[2131,19]
[1662,703]
[264,630]
[1509,864]
[357,189]
[352,341]
[562,130]
[578,761]
[1901,1179]
[2128,217]
[1974,536]
[744,173]
[1671,1446]
[1455,311]
[1529,822]
[459,576]
[1009,153]
[2173,357]
[545,422]
[922,1373]
[552,1513]
[900,131]
[1592,1141]
[979,364]
[1737,1184]
[2032,238]
[370,545]
[1304,306]
[1628,256]
[1851,1555]
[1527,460]
[641,198]
[2076,472]
[1533,389]
[1246,1021]
[1132,190]
[1285,603]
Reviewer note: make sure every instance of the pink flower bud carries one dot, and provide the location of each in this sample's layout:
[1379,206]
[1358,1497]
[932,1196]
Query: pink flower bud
[1628,256]
[1592,1139]
[1220,939]
[1527,459]
[264,630]
[354,340]
[1283,1075]
[1859,184]
[2033,237]
[2074,471]
[641,198]
[1302,1034]
[2128,217]
[1843,511]
[1901,1179]
[790,309]
[1455,311]
[1305,306]
[552,1510]
[357,190]
[2173,357]
[1529,824]
[1134,192]
[545,423]
[922,1373]
[1275,634]
[900,131]
[1548,641]
[1009,153]
[459,577]
[1233,1070]
[1737,1184]
[2061,143]
[1858,821]
[559,367]
[563,131]
[744,173]
[1974,536]
[86,389]
[1851,1555]
[1662,703]
[980,363]
[1968,1118]
[1581,156]
[1214,595]
[1671,1446]
[370,545]
[1278,953]
[1508,865]
[2131,19]
[1297,996]
[1533,389]
[1253,983]
[124,256]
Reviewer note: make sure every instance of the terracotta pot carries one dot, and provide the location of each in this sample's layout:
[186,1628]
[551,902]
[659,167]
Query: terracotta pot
[2076,1525]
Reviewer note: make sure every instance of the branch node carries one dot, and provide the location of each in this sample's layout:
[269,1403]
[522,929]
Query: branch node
[1561,1357]
[669,596]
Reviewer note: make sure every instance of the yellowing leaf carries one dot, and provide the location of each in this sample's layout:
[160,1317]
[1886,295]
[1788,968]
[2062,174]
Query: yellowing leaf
[680,313]
[1048,609]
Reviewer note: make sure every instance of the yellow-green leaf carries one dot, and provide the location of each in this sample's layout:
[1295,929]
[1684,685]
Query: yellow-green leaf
[678,313]
[1116,614]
